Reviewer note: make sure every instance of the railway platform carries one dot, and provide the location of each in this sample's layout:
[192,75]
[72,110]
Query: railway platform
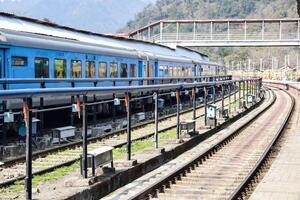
[283,178]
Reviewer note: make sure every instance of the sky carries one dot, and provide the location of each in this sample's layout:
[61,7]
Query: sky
[103,16]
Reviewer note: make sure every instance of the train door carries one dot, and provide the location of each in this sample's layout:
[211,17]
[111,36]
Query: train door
[140,71]
[200,71]
[156,69]
[1,63]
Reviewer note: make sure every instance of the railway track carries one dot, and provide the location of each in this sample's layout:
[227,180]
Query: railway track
[48,160]
[221,169]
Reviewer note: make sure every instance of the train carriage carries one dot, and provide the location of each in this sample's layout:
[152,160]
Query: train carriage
[34,52]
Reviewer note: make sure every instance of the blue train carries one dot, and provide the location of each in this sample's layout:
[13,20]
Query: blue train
[32,50]
[37,54]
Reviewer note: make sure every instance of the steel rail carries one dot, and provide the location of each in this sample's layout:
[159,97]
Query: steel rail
[180,170]
[238,192]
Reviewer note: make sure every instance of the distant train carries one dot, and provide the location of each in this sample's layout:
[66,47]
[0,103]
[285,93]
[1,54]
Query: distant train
[33,49]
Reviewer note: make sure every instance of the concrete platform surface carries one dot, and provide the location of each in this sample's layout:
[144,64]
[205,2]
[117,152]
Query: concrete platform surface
[282,181]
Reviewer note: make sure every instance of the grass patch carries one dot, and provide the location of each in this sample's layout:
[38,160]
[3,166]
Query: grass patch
[142,144]
[18,187]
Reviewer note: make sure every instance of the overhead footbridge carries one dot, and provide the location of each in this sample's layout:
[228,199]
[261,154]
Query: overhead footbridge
[222,32]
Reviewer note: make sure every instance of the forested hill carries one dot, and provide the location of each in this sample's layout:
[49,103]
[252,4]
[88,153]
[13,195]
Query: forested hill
[208,9]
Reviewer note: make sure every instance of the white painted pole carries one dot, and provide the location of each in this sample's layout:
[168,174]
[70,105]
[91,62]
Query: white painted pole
[245,30]
[228,30]
[161,31]
[211,30]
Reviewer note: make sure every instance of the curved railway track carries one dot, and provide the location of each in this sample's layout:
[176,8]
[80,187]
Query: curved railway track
[48,160]
[222,170]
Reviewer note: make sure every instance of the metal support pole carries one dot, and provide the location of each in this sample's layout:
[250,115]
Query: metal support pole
[177,31]
[149,33]
[228,30]
[253,87]
[244,89]
[249,87]
[84,135]
[194,31]
[161,31]
[95,111]
[128,108]
[239,94]
[194,106]
[245,30]
[155,96]
[280,30]
[229,98]
[235,86]
[222,109]
[41,114]
[247,90]
[263,30]
[72,115]
[211,30]
[114,109]
[205,106]
[256,88]
[27,105]
[214,94]
[178,112]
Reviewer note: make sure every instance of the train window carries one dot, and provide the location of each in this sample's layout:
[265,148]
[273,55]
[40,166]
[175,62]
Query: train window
[171,71]
[151,70]
[166,71]
[19,61]
[174,71]
[41,67]
[76,68]
[113,68]
[161,68]
[90,69]
[60,68]
[123,70]
[133,70]
[183,74]
[190,71]
[178,71]
[102,69]
[145,70]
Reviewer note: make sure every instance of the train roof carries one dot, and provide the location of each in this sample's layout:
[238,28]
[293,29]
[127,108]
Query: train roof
[36,33]
[197,53]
